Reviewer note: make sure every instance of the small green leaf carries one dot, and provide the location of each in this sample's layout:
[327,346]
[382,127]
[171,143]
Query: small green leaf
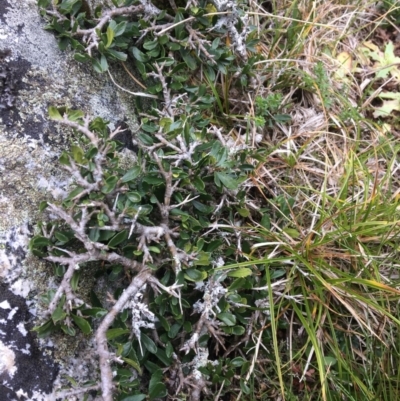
[243,212]
[119,29]
[100,65]
[242,272]
[238,330]
[138,55]
[174,330]
[202,208]
[198,184]
[94,312]
[137,397]
[38,242]
[59,313]
[145,139]
[237,362]
[148,343]
[75,115]
[189,60]
[113,333]
[131,174]
[134,364]
[64,159]
[227,180]
[244,387]
[153,179]
[329,360]
[134,197]
[45,329]
[54,114]
[82,323]
[68,330]
[228,318]
[110,184]
[266,221]
[118,238]
[75,279]
[82,57]
[110,36]
[156,388]
[73,194]
[195,275]
[77,154]
[121,56]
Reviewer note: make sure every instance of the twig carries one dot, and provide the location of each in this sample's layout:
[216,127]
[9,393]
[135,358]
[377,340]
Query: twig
[101,333]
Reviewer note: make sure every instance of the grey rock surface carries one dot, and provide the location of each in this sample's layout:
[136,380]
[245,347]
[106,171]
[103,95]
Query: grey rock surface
[35,74]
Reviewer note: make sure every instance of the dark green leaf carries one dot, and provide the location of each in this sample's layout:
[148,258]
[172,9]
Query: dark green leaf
[237,362]
[153,179]
[199,184]
[113,333]
[266,221]
[39,242]
[148,343]
[145,139]
[68,330]
[227,180]
[134,364]
[139,55]
[119,29]
[82,323]
[174,330]
[134,197]
[75,279]
[195,275]
[118,238]
[45,329]
[228,318]
[100,65]
[156,388]
[110,184]
[82,57]
[94,312]
[189,60]
[137,397]
[73,194]
[131,174]
[121,56]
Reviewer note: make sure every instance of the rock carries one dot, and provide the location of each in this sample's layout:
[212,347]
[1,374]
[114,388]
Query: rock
[35,74]
[23,366]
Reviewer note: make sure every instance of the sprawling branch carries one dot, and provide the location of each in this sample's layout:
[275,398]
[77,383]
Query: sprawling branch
[101,334]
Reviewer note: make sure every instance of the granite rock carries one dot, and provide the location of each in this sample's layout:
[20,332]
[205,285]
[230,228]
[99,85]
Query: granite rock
[35,74]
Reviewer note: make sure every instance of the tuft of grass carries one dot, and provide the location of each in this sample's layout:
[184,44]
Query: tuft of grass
[326,247]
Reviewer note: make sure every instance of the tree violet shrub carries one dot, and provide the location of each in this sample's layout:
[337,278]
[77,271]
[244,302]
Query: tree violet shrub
[165,230]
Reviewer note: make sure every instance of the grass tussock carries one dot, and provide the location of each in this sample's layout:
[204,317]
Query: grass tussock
[330,193]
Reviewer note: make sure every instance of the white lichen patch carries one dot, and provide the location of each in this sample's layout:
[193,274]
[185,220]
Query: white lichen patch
[21,287]
[7,360]
[13,247]
[12,313]
[22,329]
[5,305]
